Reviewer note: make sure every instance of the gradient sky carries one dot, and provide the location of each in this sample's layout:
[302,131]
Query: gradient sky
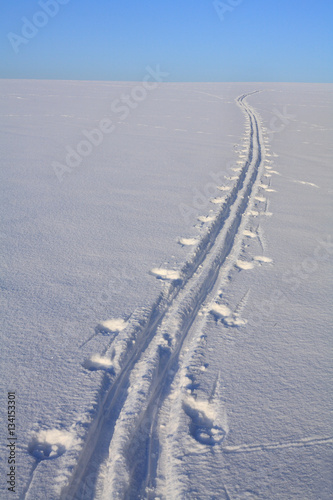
[248,40]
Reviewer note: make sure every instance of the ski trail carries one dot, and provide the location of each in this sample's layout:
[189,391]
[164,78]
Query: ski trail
[26,489]
[250,448]
[122,440]
[150,376]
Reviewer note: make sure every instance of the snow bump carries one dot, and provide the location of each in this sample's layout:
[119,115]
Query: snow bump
[112,325]
[97,362]
[220,310]
[165,274]
[244,264]
[187,241]
[206,218]
[217,200]
[250,234]
[307,184]
[262,258]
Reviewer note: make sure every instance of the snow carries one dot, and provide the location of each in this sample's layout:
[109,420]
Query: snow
[217,201]
[307,183]
[51,443]
[112,325]
[206,218]
[262,258]
[97,362]
[243,264]
[188,241]
[213,380]
[221,310]
[166,274]
[250,234]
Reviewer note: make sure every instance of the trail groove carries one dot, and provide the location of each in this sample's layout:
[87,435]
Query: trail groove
[122,445]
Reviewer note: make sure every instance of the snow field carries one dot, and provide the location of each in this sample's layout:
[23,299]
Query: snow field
[164,413]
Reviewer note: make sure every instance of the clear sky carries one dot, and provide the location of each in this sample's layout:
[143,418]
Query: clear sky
[192,40]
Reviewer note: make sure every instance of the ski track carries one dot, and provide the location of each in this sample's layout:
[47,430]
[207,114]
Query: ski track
[121,447]
[248,448]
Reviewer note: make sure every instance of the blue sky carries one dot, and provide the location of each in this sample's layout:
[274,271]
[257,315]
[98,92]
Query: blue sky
[192,40]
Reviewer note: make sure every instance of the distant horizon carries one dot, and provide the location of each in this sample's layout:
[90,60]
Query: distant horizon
[218,41]
[166,81]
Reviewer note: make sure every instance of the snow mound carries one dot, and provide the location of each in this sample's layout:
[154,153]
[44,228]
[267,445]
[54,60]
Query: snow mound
[187,241]
[250,234]
[112,325]
[206,218]
[224,188]
[97,362]
[165,274]
[244,264]
[307,184]
[217,200]
[262,258]
[220,310]
[253,212]
[234,320]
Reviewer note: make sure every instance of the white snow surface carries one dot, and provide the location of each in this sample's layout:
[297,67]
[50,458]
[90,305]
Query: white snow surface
[113,325]
[164,341]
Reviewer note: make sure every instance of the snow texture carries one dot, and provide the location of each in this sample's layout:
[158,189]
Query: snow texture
[200,227]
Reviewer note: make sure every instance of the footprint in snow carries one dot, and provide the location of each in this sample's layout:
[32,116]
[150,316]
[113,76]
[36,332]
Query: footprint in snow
[255,213]
[202,426]
[50,444]
[110,327]
[228,317]
[245,264]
